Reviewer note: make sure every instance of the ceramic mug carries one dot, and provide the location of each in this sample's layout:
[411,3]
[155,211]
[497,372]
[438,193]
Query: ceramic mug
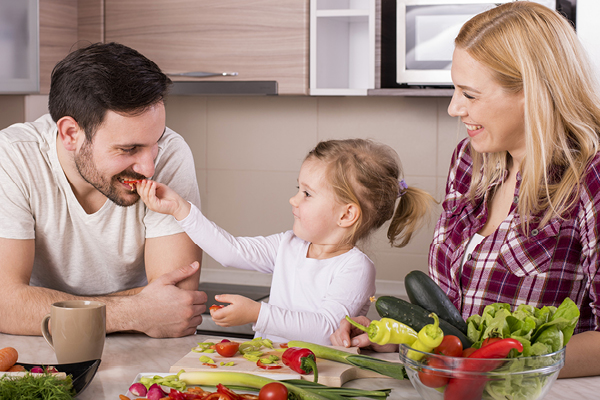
[78,330]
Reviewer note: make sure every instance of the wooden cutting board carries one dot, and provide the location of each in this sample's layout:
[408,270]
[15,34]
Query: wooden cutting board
[331,373]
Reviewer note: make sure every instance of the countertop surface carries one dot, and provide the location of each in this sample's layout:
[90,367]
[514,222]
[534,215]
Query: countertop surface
[126,355]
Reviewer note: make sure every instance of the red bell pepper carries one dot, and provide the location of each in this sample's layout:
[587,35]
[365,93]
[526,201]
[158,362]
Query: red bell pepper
[301,360]
[471,388]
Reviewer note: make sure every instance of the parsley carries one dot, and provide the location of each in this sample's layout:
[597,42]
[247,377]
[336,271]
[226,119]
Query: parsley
[41,387]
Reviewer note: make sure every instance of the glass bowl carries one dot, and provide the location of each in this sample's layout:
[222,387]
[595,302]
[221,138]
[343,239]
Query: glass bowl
[438,377]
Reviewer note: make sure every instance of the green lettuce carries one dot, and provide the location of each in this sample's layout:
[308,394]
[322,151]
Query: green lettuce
[541,330]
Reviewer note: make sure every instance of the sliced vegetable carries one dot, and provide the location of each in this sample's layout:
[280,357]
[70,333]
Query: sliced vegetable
[301,360]
[414,316]
[430,337]
[423,291]
[387,368]
[215,307]
[227,349]
[265,363]
[387,331]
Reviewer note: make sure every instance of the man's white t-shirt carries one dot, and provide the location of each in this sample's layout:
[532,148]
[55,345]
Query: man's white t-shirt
[76,252]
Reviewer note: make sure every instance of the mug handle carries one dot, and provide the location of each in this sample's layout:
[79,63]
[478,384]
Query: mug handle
[46,332]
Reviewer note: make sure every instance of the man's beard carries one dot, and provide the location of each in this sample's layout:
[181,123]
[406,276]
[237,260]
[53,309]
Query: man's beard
[110,188]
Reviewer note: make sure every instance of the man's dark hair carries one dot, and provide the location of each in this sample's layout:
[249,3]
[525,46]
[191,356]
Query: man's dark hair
[101,77]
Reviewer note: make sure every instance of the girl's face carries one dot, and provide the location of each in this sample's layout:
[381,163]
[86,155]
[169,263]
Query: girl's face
[495,119]
[315,208]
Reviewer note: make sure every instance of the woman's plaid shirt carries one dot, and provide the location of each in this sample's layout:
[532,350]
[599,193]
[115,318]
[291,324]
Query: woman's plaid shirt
[555,261]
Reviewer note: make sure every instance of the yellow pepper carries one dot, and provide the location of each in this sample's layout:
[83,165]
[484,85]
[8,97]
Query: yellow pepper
[386,331]
[430,337]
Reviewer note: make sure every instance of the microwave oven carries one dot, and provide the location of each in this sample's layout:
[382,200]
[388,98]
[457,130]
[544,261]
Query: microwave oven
[425,33]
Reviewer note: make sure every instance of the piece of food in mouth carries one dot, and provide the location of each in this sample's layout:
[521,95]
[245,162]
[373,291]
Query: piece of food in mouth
[132,183]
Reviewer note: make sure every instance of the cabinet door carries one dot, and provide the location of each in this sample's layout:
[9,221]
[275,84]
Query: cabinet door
[259,39]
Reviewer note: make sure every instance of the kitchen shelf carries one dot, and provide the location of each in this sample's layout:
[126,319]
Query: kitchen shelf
[342,47]
[412,92]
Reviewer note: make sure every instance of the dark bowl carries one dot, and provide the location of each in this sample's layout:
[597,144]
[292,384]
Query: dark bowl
[81,373]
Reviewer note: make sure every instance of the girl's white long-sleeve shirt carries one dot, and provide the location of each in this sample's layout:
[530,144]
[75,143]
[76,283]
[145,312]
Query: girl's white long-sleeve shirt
[308,297]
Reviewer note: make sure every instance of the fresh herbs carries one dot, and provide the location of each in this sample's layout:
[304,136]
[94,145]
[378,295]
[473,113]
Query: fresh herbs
[40,387]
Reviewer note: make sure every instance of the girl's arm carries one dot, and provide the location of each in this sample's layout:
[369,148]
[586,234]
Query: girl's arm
[250,253]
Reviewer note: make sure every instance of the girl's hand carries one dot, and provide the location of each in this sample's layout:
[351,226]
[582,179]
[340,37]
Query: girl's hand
[161,198]
[240,311]
[347,335]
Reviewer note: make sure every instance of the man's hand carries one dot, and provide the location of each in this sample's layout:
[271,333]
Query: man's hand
[166,310]
[240,311]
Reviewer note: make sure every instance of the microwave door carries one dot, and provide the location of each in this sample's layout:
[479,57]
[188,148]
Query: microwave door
[426,30]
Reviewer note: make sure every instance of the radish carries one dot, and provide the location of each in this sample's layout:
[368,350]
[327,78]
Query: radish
[138,389]
[155,392]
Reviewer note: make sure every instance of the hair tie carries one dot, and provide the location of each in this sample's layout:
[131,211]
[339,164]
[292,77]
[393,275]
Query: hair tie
[402,186]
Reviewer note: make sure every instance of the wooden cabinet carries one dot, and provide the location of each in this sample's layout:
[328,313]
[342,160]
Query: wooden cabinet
[258,39]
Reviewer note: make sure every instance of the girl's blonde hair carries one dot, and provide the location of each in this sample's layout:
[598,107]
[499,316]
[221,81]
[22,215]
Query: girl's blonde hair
[533,49]
[366,173]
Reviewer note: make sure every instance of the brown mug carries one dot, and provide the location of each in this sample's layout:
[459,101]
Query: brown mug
[78,330]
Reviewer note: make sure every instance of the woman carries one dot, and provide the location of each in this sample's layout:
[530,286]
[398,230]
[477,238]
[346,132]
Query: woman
[521,217]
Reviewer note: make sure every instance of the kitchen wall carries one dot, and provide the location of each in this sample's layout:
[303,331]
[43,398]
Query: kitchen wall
[248,152]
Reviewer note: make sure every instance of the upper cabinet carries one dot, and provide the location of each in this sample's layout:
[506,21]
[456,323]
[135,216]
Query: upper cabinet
[260,40]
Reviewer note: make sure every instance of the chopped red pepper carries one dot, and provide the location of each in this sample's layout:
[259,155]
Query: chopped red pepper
[268,366]
[225,390]
[301,360]
[210,365]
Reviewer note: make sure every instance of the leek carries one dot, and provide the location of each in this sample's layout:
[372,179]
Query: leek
[387,368]
[302,389]
[213,378]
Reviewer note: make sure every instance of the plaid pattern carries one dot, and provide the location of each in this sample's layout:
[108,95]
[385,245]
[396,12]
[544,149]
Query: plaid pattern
[556,261]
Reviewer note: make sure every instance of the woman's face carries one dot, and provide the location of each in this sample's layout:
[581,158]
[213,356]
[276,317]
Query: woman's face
[494,118]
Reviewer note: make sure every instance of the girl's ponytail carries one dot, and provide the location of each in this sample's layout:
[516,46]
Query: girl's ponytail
[413,206]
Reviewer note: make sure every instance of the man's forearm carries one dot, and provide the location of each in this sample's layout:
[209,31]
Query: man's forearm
[21,313]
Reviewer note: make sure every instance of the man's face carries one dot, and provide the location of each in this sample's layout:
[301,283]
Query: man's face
[123,148]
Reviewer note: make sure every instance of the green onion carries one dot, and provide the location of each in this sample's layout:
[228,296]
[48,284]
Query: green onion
[210,378]
[387,368]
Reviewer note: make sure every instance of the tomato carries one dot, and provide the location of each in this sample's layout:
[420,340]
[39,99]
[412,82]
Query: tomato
[215,307]
[227,349]
[273,391]
[489,340]
[451,346]
[434,379]
[468,352]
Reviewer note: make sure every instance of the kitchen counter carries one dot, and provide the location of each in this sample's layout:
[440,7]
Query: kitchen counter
[126,355]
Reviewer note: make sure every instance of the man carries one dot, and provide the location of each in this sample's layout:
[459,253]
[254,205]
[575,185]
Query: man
[70,225]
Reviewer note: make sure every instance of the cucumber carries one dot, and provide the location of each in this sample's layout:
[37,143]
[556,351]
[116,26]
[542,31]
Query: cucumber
[424,292]
[414,316]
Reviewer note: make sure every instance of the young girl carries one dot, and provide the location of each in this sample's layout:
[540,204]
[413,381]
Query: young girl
[346,190]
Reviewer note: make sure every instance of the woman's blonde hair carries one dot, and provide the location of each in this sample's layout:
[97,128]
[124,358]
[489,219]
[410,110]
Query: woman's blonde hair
[533,49]
[366,173]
